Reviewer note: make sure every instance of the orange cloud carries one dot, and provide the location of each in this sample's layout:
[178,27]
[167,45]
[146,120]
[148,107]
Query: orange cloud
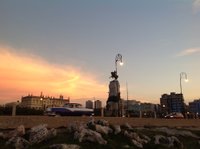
[22,74]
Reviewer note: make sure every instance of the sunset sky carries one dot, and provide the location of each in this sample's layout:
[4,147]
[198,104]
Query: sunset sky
[68,47]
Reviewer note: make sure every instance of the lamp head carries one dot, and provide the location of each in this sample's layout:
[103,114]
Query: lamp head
[186,80]
[121,63]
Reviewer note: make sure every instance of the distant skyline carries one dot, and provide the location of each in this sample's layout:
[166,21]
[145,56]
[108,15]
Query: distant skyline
[68,47]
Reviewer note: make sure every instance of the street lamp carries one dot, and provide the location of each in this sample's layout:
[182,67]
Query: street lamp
[182,75]
[118,58]
[140,112]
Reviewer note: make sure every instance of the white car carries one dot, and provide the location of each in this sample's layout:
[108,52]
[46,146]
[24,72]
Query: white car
[70,109]
[175,115]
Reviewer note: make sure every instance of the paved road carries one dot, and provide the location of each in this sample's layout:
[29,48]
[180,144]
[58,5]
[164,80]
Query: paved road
[9,122]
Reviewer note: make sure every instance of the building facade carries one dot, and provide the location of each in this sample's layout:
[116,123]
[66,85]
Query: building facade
[137,109]
[89,104]
[172,103]
[194,107]
[43,102]
[97,104]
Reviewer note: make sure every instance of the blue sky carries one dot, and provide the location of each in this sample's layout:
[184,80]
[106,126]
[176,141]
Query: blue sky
[158,40]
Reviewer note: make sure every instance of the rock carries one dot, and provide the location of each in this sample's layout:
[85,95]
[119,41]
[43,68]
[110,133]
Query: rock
[103,129]
[117,129]
[146,138]
[91,123]
[135,136]
[136,139]
[19,131]
[127,134]
[76,126]
[38,133]
[89,135]
[102,122]
[1,135]
[136,143]
[18,142]
[126,146]
[174,142]
[127,126]
[51,133]
[160,139]
[168,141]
[139,139]
[176,132]
[64,146]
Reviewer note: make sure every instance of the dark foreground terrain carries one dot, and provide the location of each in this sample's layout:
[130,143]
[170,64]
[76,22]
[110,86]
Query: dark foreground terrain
[100,134]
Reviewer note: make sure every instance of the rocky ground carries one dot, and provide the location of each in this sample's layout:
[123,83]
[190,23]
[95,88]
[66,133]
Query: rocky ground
[99,134]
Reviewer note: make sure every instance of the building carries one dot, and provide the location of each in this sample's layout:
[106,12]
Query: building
[42,102]
[172,103]
[97,104]
[194,107]
[148,107]
[131,105]
[89,104]
[137,109]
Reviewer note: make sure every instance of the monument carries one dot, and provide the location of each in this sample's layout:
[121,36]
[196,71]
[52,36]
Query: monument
[114,100]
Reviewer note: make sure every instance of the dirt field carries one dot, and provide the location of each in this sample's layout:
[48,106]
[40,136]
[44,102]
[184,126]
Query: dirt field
[9,122]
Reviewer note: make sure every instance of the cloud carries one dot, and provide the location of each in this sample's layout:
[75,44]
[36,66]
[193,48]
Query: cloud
[190,51]
[196,6]
[22,74]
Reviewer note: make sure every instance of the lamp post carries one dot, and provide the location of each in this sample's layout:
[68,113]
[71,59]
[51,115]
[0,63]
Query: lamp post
[140,112]
[182,75]
[118,58]
[127,112]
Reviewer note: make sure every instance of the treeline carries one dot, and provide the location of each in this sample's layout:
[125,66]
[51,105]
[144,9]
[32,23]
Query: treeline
[20,111]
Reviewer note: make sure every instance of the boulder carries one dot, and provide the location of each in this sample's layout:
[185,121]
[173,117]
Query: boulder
[89,135]
[19,131]
[126,146]
[103,129]
[176,132]
[127,126]
[160,139]
[64,146]
[175,142]
[117,129]
[18,142]
[136,139]
[1,135]
[51,133]
[168,141]
[76,126]
[136,143]
[102,122]
[38,134]
[146,138]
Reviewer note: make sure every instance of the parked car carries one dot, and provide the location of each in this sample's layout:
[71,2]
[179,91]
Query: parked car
[70,109]
[175,115]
